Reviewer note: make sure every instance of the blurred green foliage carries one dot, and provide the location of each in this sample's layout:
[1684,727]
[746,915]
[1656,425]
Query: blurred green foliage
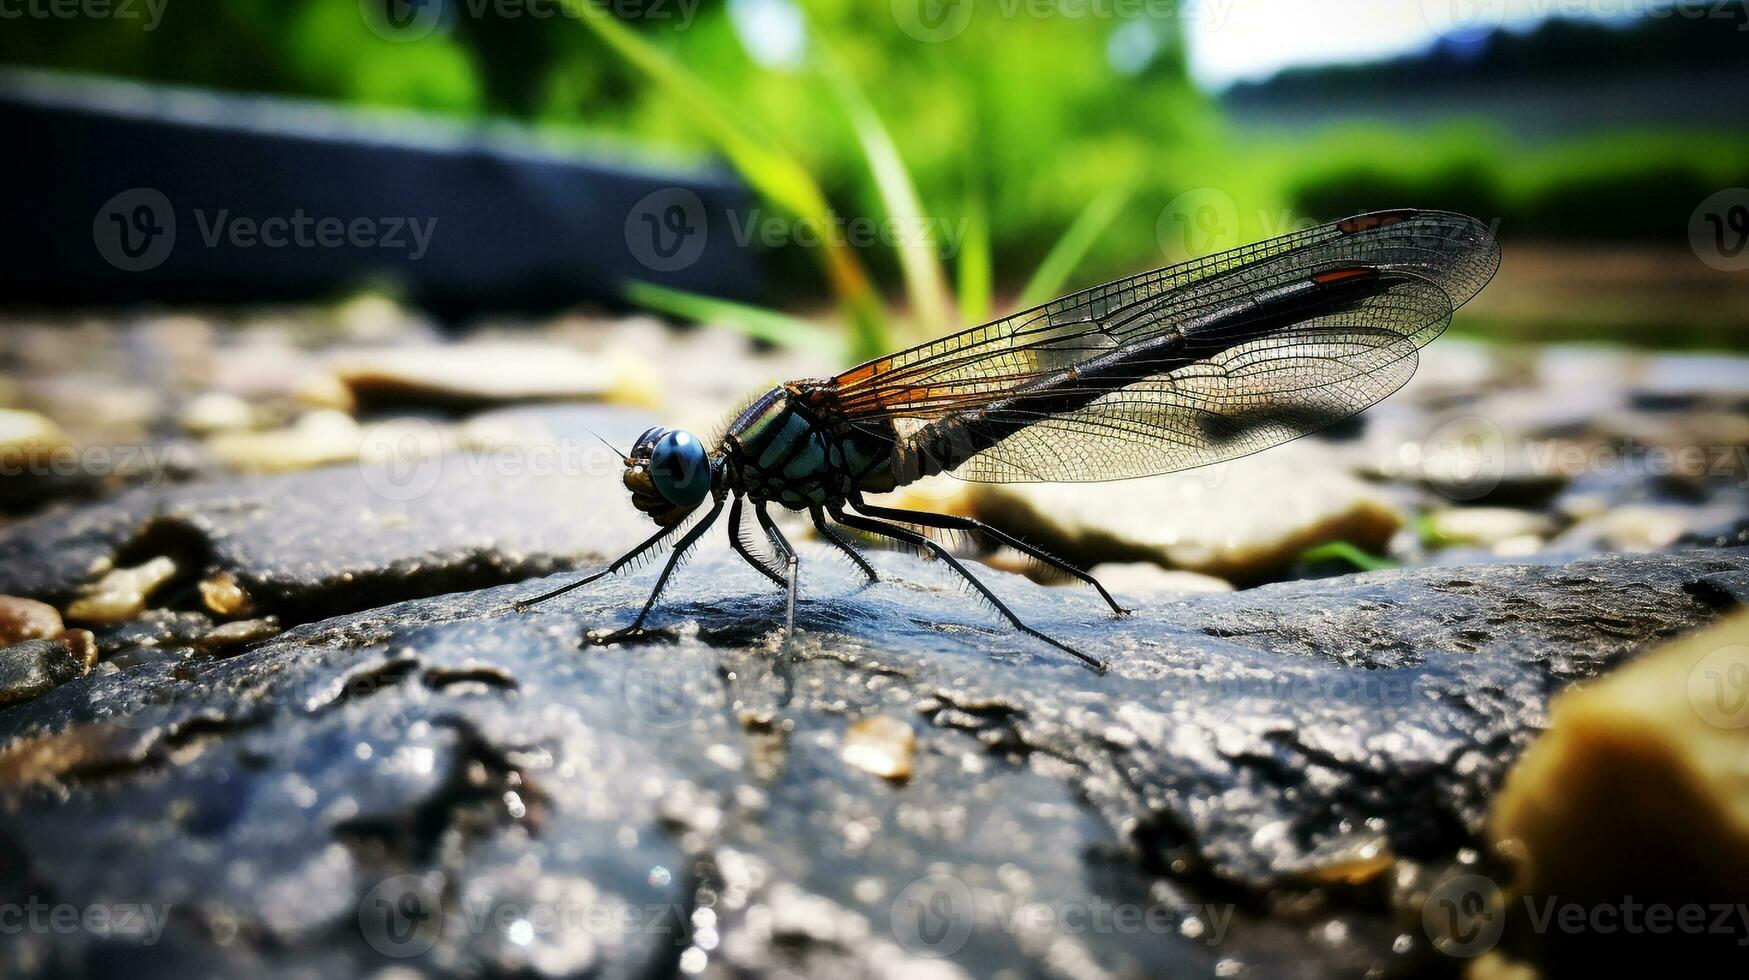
[1008,133]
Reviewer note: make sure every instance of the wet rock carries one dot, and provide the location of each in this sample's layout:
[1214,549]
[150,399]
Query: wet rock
[1633,799]
[27,619]
[309,544]
[33,668]
[121,594]
[1242,521]
[1246,788]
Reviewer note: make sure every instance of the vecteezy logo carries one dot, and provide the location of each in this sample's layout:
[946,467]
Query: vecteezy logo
[401,459]
[1718,230]
[671,692]
[1198,222]
[1464,915]
[933,20]
[1718,687]
[1464,459]
[135,230]
[403,20]
[933,916]
[401,917]
[666,229]
[1464,21]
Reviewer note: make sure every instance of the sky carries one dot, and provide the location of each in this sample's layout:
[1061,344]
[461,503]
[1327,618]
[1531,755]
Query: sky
[1233,40]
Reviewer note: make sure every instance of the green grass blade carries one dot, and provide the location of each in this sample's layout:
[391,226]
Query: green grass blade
[1060,262]
[754,321]
[973,269]
[918,252]
[1347,553]
[776,175]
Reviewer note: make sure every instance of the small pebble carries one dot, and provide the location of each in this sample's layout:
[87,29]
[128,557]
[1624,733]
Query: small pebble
[320,437]
[1145,576]
[82,645]
[121,595]
[27,619]
[1485,525]
[881,745]
[216,411]
[225,596]
[241,631]
[26,435]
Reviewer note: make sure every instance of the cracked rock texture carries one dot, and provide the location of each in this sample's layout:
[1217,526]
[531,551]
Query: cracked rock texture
[1266,781]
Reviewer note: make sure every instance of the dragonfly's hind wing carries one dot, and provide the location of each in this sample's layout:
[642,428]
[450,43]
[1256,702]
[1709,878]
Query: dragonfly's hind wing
[1286,383]
[963,370]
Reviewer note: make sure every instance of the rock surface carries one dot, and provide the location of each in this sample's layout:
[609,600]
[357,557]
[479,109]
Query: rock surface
[1266,780]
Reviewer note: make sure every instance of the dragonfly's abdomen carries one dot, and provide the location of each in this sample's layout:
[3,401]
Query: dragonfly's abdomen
[786,454]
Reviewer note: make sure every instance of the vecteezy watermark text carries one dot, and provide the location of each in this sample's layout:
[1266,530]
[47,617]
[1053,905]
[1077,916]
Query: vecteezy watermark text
[149,13]
[137,922]
[409,20]
[300,230]
[136,230]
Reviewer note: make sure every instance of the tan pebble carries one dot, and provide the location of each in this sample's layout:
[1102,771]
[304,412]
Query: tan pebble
[1643,527]
[241,631]
[121,595]
[634,379]
[81,644]
[1145,576]
[27,619]
[1486,525]
[215,411]
[320,437]
[881,745]
[225,596]
[479,372]
[27,436]
[323,389]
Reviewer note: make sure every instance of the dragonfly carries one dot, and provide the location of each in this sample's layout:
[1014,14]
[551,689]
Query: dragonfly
[1192,364]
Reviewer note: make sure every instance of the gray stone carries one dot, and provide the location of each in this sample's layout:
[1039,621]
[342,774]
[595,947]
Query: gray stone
[447,786]
[33,668]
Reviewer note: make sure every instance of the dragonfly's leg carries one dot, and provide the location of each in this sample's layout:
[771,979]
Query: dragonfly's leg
[739,543]
[680,549]
[951,523]
[792,564]
[523,605]
[843,543]
[911,537]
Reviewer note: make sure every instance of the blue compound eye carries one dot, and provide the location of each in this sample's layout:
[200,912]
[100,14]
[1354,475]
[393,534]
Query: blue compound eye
[679,469]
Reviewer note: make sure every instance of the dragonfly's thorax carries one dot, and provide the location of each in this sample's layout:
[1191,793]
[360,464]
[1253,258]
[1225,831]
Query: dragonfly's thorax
[792,448]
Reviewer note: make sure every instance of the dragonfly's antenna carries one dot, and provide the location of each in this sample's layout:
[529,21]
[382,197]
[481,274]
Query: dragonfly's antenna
[622,456]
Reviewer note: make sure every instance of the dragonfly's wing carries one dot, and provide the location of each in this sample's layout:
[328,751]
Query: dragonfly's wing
[1264,390]
[1297,379]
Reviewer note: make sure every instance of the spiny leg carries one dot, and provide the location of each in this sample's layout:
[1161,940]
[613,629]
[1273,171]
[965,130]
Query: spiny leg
[843,543]
[524,605]
[913,538]
[680,549]
[949,522]
[739,543]
[792,564]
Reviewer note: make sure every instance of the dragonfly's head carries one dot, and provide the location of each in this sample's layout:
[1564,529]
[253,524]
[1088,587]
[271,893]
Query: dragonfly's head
[669,474]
